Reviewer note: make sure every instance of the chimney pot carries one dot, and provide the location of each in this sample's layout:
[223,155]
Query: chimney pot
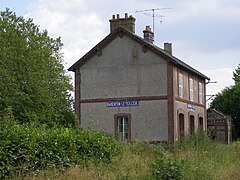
[117,16]
[148,28]
[113,16]
[126,15]
[148,34]
[168,48]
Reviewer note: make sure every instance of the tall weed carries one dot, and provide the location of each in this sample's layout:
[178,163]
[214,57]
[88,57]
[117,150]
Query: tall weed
[205,159]
[198,141]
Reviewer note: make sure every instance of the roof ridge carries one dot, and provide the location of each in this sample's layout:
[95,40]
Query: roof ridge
[155,48]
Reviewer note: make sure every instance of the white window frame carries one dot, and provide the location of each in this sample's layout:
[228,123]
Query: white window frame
[180,85]
[200,92]
[123,126]
[191,91]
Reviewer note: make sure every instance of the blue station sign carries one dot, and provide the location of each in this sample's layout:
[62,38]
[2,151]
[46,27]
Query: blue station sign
[122,103]
[191,106]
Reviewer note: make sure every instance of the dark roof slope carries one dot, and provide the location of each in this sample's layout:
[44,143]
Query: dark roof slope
[121,32]
[213,110]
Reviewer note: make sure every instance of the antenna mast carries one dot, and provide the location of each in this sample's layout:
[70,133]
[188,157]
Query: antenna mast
[152,14]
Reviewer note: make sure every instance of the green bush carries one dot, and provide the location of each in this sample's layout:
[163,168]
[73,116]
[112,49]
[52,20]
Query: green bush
[25,148]
[166,167]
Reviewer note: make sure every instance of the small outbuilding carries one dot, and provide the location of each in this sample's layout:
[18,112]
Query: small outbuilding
[219,126]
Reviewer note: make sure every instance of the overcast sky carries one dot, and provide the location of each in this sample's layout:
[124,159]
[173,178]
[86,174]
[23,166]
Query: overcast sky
[205,33]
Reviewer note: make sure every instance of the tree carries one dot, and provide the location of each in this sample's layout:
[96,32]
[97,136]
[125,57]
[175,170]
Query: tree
[33,81]
[228,102]
[236,75]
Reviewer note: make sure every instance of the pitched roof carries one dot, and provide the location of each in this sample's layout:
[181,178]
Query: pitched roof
[121,32]
[213,110]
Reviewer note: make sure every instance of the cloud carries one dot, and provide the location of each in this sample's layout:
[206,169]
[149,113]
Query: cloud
[212,9]
[206,59]
[80,23]
[79,27]
[221,76]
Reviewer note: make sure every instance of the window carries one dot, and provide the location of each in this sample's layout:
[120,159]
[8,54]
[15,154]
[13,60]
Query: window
[180,85]
[122,127]
[191,124]
[181,125]
[200,124]
[200,94]
[191,89]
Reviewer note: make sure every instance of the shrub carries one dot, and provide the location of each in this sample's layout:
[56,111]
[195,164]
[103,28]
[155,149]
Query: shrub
[166,167]
[25,148]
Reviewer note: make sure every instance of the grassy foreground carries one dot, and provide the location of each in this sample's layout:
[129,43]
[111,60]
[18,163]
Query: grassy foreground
[204,159]
[131,162]
[199,158]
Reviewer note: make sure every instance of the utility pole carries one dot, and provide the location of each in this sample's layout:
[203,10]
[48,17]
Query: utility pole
[153,15]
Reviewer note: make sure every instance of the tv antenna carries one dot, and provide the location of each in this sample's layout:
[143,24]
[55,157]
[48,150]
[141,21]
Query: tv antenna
[152,14]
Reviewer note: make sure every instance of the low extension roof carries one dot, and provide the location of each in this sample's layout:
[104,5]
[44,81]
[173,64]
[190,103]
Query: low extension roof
[121,32]
[210,111]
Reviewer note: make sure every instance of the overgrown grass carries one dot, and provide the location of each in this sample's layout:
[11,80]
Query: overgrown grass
[132,162]
[201,159]
[196,157]
[204,159]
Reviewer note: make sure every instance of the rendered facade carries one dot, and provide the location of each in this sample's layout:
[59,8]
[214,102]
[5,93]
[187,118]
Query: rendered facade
[129,87]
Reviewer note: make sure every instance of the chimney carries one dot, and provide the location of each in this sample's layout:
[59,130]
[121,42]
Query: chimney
[168,48]
[127,23]
[148,35]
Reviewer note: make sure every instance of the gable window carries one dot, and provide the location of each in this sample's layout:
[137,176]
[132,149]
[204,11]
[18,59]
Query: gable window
[180,85]
[191,89]
[123,127]
[200,93]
